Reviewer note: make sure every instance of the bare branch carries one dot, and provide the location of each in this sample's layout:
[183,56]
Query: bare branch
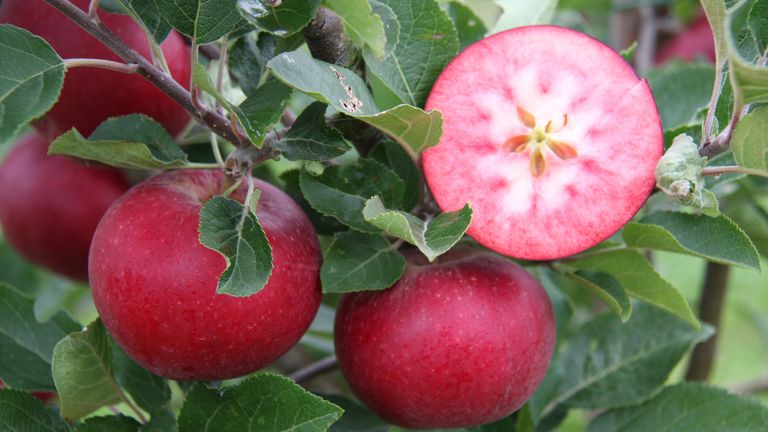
[317,368]
[326,39]
[710,310]
[164,82]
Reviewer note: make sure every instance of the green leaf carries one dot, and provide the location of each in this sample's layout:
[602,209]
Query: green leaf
[433,238]
[391,25]
[22,412]
[716,239]
[119,423]
[347,92]
[427,34]
[687,407]
[749,81]
[161,421]
[149,391]
[639,279]
[263,109]
[147,13]
[757,23]
[262,403]
[608,364]
[310,137]
[469,27]
[745,210]
[607,289]
[681,90]
[26,346]
[356,417]
[133,141]
[397,159]
[628,53]
[258,113]
[341,191]
[750,140]
[361,24]
[31,77]
[248,58]
[82,370]
[203,20]
[360,262]
[17,272]
[680,175]
[283,20]
[518,13]
[413,128]
[716,15]
[230,228]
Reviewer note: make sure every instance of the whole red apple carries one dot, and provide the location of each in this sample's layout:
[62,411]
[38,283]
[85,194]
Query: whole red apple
[462,341]
[549,135]
[695,41]
[50,205]
[43,396]
[154,284]
[92,95]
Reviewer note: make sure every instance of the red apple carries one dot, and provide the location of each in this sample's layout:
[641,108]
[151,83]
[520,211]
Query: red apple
[460,342]
[91,95]
[154,284]
[695,41]
[549,135]
[50,205]
[44,396]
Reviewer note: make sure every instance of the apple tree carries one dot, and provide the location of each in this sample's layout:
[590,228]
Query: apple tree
[383,215]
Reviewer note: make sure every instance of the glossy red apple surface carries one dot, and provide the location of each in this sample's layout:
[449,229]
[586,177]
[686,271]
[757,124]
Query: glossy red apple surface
[43,396]
[92,95]
[50,205]
[460,342]
[154,284]
[549,135]
[694,42]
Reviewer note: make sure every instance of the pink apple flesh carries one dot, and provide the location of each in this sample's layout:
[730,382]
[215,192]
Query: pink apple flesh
[154,284]
[50,205]
[456,343]
[549,135]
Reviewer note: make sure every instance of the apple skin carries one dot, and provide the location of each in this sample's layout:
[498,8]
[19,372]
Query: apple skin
[154,284]
[459,342]
[92,95]
[43,396]
[50,205]
[695,41]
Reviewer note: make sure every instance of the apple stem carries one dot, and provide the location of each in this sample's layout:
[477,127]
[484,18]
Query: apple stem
[719,170]
[216,150]
[314,369]
[710,118]
[93,10]
[101,64]
[222,65]
[712,146]
[212,119]
[134,408]
[201,166]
